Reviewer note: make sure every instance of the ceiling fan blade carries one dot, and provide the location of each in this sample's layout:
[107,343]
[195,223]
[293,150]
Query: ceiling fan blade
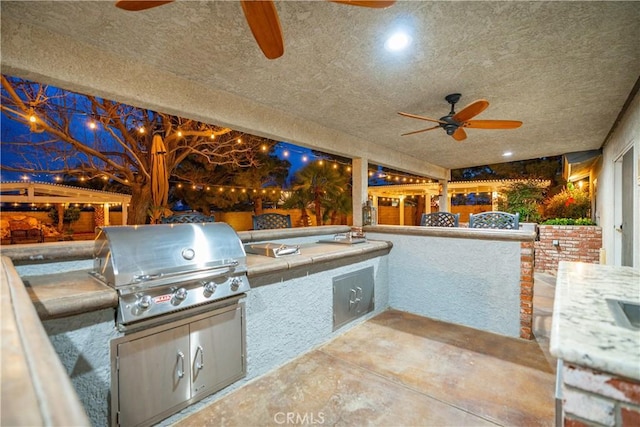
[492,124]
[413,116]
[136,5]
[421,130]
[372,3]
[471,110]
[262,18]
[459,134]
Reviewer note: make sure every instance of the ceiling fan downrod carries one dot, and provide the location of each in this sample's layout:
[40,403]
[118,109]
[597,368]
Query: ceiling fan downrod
[450,125]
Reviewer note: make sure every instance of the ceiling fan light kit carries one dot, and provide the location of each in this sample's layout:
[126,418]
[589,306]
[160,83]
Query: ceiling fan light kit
[454,123]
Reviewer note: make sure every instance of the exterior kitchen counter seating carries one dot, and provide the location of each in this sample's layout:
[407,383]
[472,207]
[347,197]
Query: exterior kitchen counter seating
[271,220]
[440,219]
[494,219]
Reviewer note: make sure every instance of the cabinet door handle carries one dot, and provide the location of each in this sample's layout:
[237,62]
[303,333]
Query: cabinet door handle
[181,367]
[353,300]
[359,294]
[200,364]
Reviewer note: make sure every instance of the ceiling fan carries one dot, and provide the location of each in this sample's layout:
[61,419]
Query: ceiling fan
[454,123]
[261,16]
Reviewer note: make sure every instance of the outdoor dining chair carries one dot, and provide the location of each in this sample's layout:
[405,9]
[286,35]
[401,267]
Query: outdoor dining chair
[187,218]
[271,220]
[495,219]
[440,219]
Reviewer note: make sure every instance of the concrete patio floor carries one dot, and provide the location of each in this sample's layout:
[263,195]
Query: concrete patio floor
[399,369]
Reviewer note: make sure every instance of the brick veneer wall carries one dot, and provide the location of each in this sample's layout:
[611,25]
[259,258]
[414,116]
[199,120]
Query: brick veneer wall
[526,290]
[592,397]
[575,243]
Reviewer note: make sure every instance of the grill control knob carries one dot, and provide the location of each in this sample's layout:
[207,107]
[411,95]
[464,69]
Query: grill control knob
[144,302]
[235,284]
[180,294]
[209,287]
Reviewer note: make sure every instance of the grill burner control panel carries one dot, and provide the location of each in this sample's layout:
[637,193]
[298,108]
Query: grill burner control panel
[149,302]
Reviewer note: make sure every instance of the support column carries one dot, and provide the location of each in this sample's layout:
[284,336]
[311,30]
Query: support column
[445,201]
[401,206]
[124,213]
[105,212]
[360,177]
[375,206]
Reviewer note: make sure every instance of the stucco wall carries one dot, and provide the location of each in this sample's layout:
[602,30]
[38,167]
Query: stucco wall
[470,282]
[287,315]
[626,134]
[82,343]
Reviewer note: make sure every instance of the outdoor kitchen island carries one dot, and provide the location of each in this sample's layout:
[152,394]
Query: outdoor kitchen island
[289,309]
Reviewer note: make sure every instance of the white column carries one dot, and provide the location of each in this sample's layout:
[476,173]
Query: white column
[445,201]
[105,212]
[375,206]
[124,213]
[360,177]
[401,206]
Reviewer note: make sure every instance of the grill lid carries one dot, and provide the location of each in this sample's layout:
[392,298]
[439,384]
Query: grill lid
[125,255]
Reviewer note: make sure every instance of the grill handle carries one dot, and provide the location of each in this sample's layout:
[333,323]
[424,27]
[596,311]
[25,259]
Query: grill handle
[181,368]
[146,277]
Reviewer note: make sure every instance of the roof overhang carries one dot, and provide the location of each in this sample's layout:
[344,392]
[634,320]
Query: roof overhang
[41,192]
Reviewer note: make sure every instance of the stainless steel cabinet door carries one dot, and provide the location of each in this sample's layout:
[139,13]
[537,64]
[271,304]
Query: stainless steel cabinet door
[353,296]
[154,373]
[217,351]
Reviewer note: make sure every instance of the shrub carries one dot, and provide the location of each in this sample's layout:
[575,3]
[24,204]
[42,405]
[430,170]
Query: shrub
[71,214]
[571,202]
[523,198]
[568,221]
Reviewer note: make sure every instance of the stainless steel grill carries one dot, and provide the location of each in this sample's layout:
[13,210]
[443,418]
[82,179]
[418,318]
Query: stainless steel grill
[160,269]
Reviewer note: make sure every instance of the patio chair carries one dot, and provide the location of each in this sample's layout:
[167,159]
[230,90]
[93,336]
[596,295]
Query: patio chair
[187,218]
[440,219]
[271,220]
[494,219]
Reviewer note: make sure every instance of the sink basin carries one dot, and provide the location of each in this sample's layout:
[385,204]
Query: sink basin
[626,313]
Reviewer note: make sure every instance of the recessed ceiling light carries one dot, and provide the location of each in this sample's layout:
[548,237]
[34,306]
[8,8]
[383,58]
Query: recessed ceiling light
[398,41]
[507,154]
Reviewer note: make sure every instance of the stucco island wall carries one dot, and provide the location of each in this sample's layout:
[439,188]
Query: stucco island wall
[468,277]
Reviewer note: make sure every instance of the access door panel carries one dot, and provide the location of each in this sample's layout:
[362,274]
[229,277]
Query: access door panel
[153,375]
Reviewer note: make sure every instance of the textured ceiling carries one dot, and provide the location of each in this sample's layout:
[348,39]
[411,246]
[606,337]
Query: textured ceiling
[563,68]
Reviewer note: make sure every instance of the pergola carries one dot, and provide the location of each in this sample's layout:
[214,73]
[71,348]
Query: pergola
[56,194]
[445,191]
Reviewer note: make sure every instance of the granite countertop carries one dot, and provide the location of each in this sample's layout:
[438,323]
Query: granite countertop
[68,293]
[584,331]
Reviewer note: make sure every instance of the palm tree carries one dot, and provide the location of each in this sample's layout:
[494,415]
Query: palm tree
[299,199]
[323,184]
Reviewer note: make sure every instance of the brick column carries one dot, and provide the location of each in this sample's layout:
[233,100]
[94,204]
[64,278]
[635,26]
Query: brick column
[526,290]
[98,216]
[592,397]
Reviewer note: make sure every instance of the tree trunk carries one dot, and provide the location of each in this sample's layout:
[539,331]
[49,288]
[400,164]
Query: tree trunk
[304,218]
[421,208]
[257,205]
[140,202]
[60,225]
[318,209]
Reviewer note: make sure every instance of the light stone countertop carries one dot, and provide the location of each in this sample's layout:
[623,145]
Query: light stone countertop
[583,330]
[68,293]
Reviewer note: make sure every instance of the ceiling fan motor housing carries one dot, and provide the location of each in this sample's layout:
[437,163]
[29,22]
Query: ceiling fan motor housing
[449,125]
